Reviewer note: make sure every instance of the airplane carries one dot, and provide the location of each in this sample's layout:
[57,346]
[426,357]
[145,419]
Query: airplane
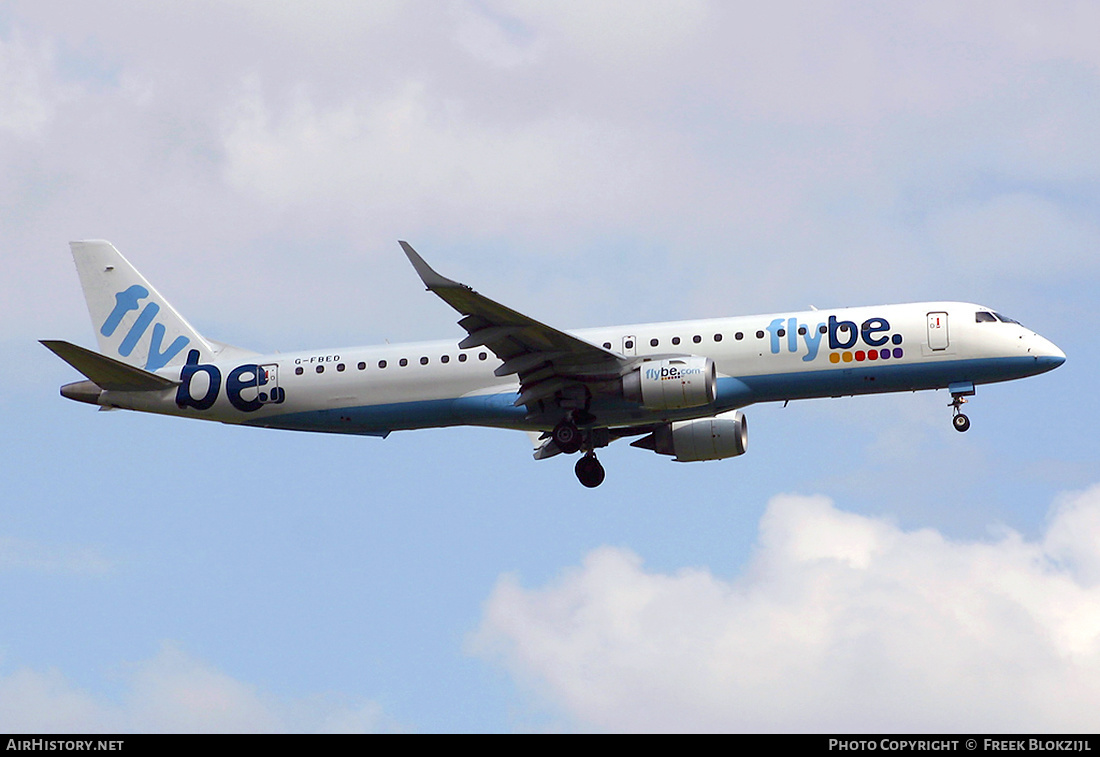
[678,386]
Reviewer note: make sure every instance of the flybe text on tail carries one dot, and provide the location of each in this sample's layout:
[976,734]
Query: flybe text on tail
[127,300]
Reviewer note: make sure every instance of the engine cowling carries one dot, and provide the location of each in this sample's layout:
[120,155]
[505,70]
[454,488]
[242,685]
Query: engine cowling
[672,384]
[701,439]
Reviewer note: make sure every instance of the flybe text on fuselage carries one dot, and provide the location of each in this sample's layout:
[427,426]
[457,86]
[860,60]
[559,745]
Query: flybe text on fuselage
[244,385]
[871,340]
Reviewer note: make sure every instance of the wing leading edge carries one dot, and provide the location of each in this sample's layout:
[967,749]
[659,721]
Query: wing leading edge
[550,364]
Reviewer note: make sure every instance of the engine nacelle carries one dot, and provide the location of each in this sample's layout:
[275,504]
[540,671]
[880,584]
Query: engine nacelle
[672,384]
[701,439]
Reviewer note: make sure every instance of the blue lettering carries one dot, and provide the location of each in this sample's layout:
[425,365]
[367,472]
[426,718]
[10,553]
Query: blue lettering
[846,326]
[139,327]
[871,327]
[214,382]
[234,384]
[158,359]
[124,303]
[773,329]
[792,335]
[812,338]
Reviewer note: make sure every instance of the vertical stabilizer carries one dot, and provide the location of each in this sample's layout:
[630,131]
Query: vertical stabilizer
[132,321]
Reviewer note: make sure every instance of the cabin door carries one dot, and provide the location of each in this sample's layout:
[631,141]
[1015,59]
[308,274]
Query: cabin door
[937,331]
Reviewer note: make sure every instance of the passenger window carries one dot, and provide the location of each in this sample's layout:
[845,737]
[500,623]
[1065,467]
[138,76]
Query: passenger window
[717,337]
[675,340]
[781,332]
[462,357]
[822,329]
[299,371]
[697,339]
[445,359]
[629,344]
[481,356]
[340,367]
[423,361]
[362,366]
[654,342]
[607,345]
[802,331]
[759,334]
[739,335]
[381,363]
[320,369]
[403,362]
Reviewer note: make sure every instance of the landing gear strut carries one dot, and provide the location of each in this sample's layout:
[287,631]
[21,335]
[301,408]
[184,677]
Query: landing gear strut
[589,471]
[960,390]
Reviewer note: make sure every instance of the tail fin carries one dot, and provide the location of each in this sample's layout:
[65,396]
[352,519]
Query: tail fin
[133,322]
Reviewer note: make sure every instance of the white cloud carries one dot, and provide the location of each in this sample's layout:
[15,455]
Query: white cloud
[173,693]
[841,623]
[415,158]
[25,106]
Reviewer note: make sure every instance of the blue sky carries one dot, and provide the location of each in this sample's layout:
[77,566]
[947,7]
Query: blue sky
[862,568]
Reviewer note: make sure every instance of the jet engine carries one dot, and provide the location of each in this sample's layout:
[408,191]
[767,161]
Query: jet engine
[672,384]
[701,439]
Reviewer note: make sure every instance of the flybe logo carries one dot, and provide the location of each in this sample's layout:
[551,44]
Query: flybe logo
[248,387]
[846,342]
[670,372]
[128,300]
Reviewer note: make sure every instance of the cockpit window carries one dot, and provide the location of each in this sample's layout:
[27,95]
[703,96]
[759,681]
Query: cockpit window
[1006,319]
[982,316]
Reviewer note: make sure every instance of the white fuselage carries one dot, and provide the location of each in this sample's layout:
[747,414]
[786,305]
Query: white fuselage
[375,390]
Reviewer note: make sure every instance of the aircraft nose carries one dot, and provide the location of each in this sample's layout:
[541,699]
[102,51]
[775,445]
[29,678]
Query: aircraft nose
[1047,354]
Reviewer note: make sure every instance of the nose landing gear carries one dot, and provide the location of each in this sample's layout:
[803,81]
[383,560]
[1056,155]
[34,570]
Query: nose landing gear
[960,421]
[959,393]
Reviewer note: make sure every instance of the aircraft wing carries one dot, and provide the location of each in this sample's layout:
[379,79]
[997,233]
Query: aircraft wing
[547,361]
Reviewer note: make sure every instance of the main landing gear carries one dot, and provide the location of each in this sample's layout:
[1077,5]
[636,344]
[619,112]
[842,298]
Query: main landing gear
[570,439]
[567,436]
[589,471]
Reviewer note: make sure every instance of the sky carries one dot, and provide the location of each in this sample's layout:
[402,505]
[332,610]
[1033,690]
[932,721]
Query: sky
[863,568]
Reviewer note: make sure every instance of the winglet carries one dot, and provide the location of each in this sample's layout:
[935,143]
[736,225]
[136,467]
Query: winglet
[427,274]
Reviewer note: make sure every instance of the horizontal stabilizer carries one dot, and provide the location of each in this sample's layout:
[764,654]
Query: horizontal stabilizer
[107,373]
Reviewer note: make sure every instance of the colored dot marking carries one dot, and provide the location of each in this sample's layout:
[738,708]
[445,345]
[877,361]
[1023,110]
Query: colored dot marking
[860,356]
[872,354]
[847,357]
[834,357]
[885,354]
[896,339]
[898,352]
